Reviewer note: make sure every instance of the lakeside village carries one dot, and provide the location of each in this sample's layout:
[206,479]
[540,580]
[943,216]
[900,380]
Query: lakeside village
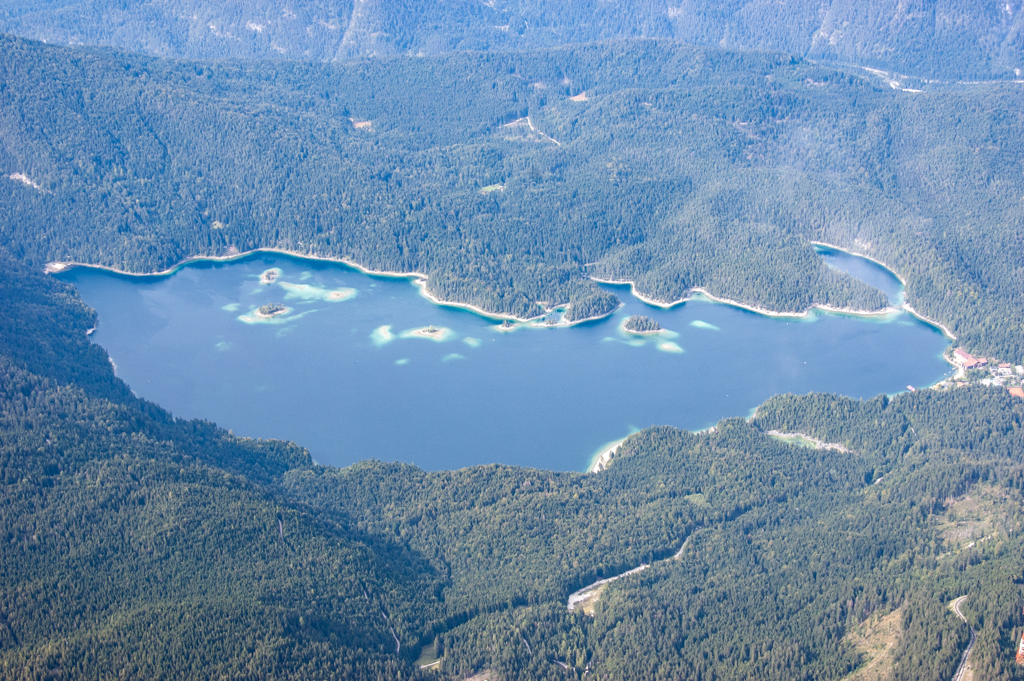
[984,371]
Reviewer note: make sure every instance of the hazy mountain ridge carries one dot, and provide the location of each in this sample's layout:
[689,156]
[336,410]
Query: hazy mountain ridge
[950,40]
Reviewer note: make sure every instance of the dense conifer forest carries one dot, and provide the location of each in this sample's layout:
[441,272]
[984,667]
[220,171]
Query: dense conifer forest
[674,167]
[170,548]
[822,538]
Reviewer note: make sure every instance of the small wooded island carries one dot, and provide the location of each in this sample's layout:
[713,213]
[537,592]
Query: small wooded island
[271,310]
[641,324]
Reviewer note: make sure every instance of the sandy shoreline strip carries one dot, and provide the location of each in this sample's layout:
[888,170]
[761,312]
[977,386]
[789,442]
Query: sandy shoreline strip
[697,290]
[418,278]
[61,266]
[905,307]
[603,459]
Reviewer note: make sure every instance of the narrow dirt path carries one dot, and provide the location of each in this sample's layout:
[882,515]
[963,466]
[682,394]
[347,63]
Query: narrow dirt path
[545,136]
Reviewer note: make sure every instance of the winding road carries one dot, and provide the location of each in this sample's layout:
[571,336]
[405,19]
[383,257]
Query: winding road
[962,669]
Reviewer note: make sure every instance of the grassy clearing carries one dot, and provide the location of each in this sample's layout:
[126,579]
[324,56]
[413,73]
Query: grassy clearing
[798,440]
[875,640]
[986,513]
[427,658]
[588,604]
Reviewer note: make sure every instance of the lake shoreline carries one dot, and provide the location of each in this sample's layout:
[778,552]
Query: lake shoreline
[700,291]
[345,344]
[603,459]
[903,282]
[271,315]
[830,309]
[419,279]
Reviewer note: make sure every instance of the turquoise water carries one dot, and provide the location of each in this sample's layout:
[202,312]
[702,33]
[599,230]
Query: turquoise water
[867,271]
[344,373]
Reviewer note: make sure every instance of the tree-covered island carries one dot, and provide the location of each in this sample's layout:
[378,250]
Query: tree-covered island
[158,547]
[271,310]
[641,324]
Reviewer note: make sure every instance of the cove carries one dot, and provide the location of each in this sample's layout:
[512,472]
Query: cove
[358,367]
[868,271]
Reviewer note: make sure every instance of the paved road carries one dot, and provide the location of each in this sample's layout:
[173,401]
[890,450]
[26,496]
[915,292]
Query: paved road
[962,669]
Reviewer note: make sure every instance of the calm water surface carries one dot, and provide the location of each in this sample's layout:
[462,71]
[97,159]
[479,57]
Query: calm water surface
[867,271]
[343,374]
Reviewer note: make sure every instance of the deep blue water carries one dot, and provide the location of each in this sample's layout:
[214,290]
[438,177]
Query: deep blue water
[325,375]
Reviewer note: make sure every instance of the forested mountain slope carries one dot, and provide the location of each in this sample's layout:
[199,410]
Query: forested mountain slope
[511,178]
[950,40]
[139,544]
[171,549]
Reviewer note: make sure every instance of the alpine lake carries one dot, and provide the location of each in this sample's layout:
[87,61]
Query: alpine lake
[360,366]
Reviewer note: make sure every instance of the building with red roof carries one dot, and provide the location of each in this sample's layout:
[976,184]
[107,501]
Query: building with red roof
[964,359]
